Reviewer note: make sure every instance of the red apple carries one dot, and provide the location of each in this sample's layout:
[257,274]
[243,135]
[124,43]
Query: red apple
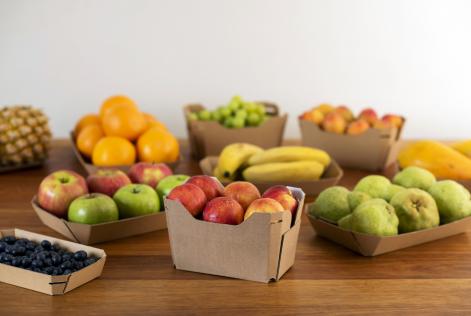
[243,192]
[357,127]
[148,173]
[210,186]
[59,189]
[263,205]
[191,196]
[369,115]
[223,210]
[107,181]
[282,195]
[395,120]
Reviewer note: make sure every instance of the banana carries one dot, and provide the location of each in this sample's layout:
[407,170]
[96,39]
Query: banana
[218,174]
[284,171]
[234,156]
[290,153]
[463,147]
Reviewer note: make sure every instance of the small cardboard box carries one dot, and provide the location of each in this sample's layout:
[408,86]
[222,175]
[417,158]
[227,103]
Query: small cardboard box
[91,168]
[260,249]
[209,138]
[373,150]
[331,176]
[369,245]
[92,234]
[51,284]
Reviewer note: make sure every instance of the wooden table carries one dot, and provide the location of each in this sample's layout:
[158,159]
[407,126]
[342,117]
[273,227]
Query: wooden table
[327,279]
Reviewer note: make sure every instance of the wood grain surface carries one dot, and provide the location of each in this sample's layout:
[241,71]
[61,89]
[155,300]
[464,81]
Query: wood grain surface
[139,277]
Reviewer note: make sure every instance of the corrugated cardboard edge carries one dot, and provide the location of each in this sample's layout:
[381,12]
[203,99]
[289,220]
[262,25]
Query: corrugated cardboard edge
[331,177]
[373,150]
[52,285]
[209,138]
[92,234]
[212,248]
[369,245]
[91,169]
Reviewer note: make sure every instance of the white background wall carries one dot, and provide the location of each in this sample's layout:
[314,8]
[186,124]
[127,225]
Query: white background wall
[409,57]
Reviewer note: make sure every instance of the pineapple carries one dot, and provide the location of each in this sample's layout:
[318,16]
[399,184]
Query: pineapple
[24,136]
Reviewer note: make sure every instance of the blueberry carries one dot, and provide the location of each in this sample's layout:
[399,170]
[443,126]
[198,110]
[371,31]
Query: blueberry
[78,265]
[26,262]
[46,244]
[66,265]
[29,253]
[80,255]
[37,263]
[47,262]
[3,246]
[38,249]
[48,270]
[16,262]
[89,261]
[56,248]
[37,269]
[67,271]
[56,259]
[18,250]
[30,245]
[67,256]
[9,239]
[9,249]
[42,255]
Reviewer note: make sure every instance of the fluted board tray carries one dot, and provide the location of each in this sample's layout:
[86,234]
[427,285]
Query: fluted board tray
[369,245]
[331,176]
[260,249]
[92,234]
[209,138]
[51,284]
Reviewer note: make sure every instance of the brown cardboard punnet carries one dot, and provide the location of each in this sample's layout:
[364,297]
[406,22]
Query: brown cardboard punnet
[51,284]
[262,248]
[91,169]
[331,176]
[373,150]
[92,234]
[369,245]
[209,138]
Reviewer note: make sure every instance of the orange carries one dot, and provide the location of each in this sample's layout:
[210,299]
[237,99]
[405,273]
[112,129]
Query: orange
[125,122]
[157,145]
[117,100]
[152,121]
[86,120]
[113,151]
[88,137]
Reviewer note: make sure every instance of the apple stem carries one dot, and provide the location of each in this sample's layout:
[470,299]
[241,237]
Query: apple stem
[63,180]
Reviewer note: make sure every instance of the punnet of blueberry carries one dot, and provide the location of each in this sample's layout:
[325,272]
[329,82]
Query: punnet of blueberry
[43,257]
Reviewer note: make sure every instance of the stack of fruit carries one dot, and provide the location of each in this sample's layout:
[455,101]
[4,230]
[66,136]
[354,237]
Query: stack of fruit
[415,200]
[120,132]
[445,162]
[42,257]
[287,163]
[236,114]
[24,136]
[341,120]
[205,198]
[109,194]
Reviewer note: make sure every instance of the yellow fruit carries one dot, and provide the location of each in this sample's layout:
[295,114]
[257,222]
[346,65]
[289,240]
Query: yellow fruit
[113,151]
[284,171]
[444,162]
[325,108]
[125,122]
[88,119]
[115,101]
[233,156]
[88,138]
[158,145]
[289,154]
[463,147]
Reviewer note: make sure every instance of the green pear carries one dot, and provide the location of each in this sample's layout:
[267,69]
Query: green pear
[331,204]
[375,217]
[355,198]
[416,210]
[415,177]
[453,200]
[375,186]
[393,190]
[345,222]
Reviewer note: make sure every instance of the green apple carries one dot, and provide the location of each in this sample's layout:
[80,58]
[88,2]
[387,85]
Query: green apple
[94,208]
[168,183]
[204,115]
[136,200]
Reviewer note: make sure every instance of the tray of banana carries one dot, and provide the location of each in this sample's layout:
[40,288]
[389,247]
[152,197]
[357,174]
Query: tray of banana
[308,168]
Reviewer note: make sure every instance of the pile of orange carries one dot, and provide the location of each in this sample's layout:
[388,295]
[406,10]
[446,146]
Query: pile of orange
[121,134]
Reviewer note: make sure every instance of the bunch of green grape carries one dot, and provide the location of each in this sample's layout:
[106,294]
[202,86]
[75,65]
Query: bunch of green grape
[236,114]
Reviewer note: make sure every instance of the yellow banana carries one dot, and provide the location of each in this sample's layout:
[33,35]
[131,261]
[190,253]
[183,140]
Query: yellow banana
[218,174]
[289,154]
[463,147]
[284,171]
[234,156]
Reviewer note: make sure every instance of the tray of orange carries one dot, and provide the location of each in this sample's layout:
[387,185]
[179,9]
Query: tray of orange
[119,135]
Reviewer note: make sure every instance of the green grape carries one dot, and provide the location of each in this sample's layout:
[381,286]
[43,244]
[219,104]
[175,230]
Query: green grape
[237,99]
[216,115]
[238,122]
[228,122]
[204,115]
[251,107]
[233,106]
[253,119]
[260,109]
[225,112]
[241,114]
[192,116]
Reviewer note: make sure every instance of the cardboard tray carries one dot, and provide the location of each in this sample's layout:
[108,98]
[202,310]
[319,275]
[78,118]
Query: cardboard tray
[51,284]
[331,176]
[209,138]
[91,169]
[373,150]
[92,234]
[260,249]
[369,245]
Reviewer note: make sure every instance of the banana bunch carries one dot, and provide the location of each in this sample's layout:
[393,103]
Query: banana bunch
[279,164]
